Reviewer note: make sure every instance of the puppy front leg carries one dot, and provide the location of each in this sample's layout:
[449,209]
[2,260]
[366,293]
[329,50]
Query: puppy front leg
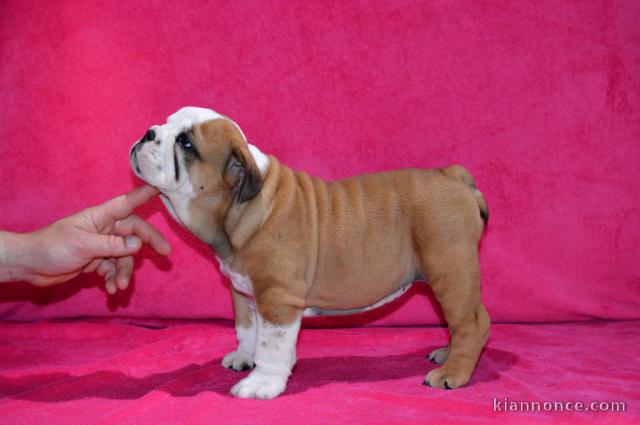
[246,331]
[275,353]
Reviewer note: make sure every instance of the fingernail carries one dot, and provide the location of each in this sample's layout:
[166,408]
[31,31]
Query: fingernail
[132,241]
[122,283]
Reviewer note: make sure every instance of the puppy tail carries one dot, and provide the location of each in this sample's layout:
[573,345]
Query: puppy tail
[459,173]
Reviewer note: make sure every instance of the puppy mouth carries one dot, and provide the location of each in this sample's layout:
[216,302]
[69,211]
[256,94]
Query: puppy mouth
[134,161]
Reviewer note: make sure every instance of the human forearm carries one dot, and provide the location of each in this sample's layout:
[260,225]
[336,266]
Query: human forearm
[14,249]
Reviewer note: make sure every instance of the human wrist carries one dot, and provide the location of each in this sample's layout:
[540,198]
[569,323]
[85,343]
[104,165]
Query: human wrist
[14,254]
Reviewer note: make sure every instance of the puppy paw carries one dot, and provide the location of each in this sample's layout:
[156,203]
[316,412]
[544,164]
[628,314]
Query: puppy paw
[238,360]
[260,385]
[439,356]
[447,378]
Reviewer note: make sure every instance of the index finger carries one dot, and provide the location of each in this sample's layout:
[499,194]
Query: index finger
[123,205]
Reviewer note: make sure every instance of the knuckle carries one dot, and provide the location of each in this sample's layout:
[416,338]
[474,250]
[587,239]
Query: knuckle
[114,241]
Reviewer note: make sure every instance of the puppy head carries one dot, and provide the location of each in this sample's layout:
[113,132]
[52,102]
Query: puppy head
[199,158]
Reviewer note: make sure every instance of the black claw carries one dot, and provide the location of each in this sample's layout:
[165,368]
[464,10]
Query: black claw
[446,386]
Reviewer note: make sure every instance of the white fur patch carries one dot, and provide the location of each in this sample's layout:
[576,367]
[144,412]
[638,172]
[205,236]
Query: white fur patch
[312,311]
[240,282]
[262,160]
[169,207]
[189,115]
[178,203]
[274,359]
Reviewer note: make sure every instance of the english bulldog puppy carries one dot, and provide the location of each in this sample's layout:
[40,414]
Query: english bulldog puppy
[294,245]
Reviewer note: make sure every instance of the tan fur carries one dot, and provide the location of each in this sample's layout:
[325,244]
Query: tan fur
[241,312]
[346,244]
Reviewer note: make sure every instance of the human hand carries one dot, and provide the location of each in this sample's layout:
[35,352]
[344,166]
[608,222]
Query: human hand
[101,238]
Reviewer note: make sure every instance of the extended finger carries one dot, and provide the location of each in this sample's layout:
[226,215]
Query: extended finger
[134,225]
[123,205]
[124,268]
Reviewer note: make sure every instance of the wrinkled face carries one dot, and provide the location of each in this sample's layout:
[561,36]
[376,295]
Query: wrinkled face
[160,157]
[198,157]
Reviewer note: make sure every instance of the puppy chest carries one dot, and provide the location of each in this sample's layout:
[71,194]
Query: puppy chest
[240,282]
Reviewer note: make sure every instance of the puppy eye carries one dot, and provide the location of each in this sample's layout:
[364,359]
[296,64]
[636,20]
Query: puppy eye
[183,140]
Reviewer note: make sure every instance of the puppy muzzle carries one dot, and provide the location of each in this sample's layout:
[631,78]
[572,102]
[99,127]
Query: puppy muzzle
[150,136]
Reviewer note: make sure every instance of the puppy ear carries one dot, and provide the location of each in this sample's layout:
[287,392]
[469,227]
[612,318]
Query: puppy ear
[242,173]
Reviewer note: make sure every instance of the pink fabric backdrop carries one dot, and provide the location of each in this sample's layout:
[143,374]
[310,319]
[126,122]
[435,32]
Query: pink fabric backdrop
[540,101]
[87,372]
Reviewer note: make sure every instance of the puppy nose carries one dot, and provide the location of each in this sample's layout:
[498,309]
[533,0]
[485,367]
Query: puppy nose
[150,136]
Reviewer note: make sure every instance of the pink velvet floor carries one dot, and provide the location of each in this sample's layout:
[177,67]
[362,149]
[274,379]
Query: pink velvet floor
[106,373]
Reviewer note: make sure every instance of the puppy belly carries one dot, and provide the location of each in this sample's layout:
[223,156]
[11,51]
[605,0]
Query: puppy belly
[313,311]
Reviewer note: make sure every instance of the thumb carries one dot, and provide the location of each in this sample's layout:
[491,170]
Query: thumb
[112,245]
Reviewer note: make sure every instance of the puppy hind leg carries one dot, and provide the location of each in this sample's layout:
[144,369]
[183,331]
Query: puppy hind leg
[457,288]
